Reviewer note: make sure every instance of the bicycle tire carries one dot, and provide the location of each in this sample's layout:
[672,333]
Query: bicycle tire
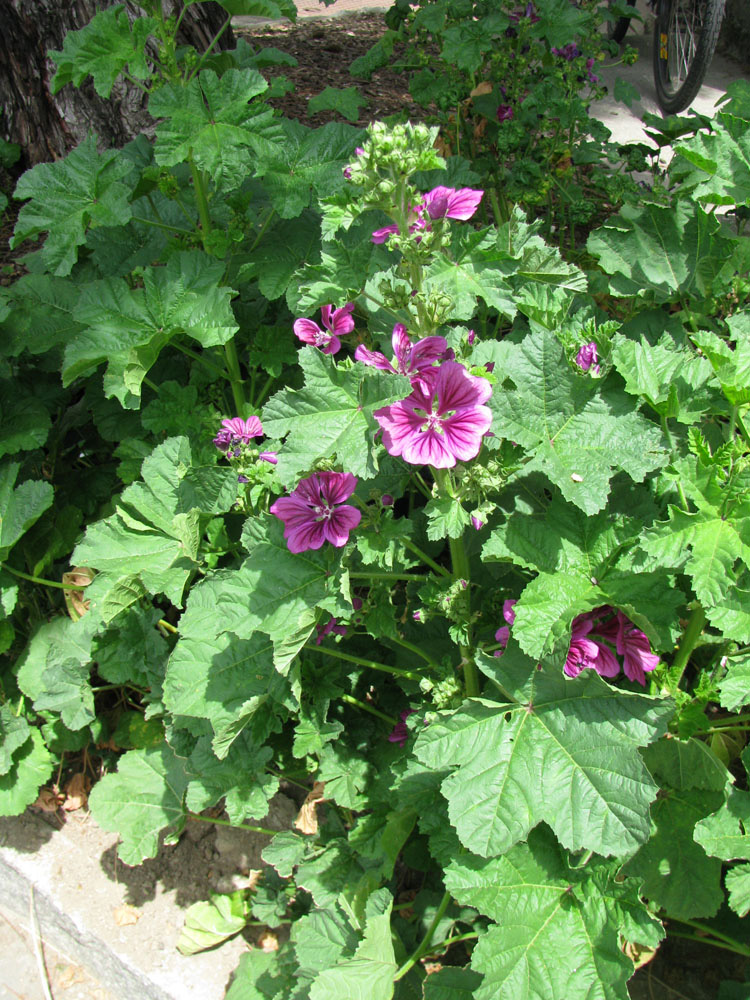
[685,37]
[619,28]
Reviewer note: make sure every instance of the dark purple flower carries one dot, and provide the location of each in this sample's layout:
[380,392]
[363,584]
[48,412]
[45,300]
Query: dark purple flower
[386,500]
[242,479]
[315,511]
[357,603]
[634,647]
[589,66]
[236,431]
[331,626]
[568,52]
[337,323]
[400,733]
[442,421]
[470,338]
[503,633]
[409,359]
[505,113]
[586,358]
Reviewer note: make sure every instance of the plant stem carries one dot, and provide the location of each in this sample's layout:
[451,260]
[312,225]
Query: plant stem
[41,580]
[409,544]
[372,664]
[424,945]
[722,940]
[213,42]
[200,359]
[235,377]
[235,826]
[412,649]
[368,708]
[201,198]
[672,449]
[166,625]
[163,225]
[686,647]
[443,945]
[387,576]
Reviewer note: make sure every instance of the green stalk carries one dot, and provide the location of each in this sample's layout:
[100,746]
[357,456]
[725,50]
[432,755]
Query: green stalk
[41,580]
[368,708]
[387,576]
[407,543]
[372,664]
[672,449]
[213,42]
[413,649]
[424,945]
[236,826]
[722,940]
[686,647]
[461,571]
[163,225]
[200,359]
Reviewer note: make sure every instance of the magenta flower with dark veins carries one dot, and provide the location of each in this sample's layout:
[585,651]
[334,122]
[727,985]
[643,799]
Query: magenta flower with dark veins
[442,421]
[633,645]
[584,652]
[337,323]
[269,456]
[505,113]
[315,511]
[452,203]
[587,359]
[503,633]
[400,733]
[568,52]
[235,431]
[409,359]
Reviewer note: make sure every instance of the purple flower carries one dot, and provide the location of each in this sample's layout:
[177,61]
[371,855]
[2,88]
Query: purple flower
[452,203]
[357,603]
[400,733]
[442,421]
[331,626]
[409,359]
[470,338]
[634,647]
[568,52]
[315,511]
[505,113]
[269,456]
[381,235]
[386,500]
[503,633]
[584,652]
[529,12]
[589,66]
[337,323]
[417,616]
[242,479]
[236,431]
[476,523]
[586,358]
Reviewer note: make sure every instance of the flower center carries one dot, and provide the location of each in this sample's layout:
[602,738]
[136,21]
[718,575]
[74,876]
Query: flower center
[324,511]
[432,421]
[322,339]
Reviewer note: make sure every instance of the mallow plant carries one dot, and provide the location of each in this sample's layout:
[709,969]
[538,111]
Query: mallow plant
[314,482]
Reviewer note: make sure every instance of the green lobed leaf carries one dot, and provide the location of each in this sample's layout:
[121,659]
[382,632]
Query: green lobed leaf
[14,732]
[665,253]
[258,976]
[672,380]
[734,688]
[32,766]
[55,670]
[304,165]
[211,921]
[20,507]
[561,751]
[578,431]
[212,121]
[368,975]
[737,882]
[128,328]
[41,316]
[331,414]
[24,420]
[103,48]
[558,927]
[346,101]
[276,258]
[731,365]
[452,983]
[675,870]
[722,159]
[140,800]
[240,778]
[83,189]
[686,764]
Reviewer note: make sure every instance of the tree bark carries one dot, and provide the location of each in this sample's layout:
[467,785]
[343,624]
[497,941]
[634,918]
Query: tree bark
[47,127]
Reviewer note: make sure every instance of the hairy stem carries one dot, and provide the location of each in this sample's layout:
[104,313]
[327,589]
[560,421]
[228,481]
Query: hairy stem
[236,826]
[372,664]
[687,645]
[368,708]
[424,945]
[41,580]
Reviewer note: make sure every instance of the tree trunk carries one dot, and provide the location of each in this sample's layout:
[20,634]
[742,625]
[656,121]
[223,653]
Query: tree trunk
[47,127]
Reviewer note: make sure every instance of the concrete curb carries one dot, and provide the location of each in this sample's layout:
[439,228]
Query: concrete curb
[78,888]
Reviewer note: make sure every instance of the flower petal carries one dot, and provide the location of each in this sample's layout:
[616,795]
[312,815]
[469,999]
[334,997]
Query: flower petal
[373,358]
[381,235]
[343,520]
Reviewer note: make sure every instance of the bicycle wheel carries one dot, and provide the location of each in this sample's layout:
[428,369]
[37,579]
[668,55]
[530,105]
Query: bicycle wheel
[618,29]
[685,36]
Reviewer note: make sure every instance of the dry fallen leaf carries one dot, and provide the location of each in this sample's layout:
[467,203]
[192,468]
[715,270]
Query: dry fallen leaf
[485,87]
[79,577]
[126,914]
[254,876]
[77,793]
[71,975]
[307,817]
[430,967]
[268,941]
[639,954]
[49,800]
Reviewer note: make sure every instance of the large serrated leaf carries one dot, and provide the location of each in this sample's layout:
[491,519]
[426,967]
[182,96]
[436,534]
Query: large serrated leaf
[32,765]
[103,48]
[55,667]
[558,927]
[579,432]
[562,752]
[19,507]
[368,975]
[67,197]
[141,799]
[331,414]
[722,159]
